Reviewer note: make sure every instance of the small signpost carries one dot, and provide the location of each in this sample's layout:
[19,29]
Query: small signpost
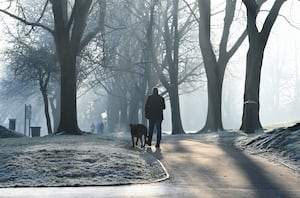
[27,118]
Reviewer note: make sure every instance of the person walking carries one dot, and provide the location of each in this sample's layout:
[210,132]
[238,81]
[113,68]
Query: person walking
[154,107]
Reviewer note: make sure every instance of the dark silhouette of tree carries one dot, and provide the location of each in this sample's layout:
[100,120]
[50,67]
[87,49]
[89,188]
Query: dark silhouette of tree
[167,67]
[215,64]
[69,40]
[70,19]
[172,39]
[35,65]
[257,43]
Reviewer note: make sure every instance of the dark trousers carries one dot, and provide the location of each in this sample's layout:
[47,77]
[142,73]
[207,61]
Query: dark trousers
[153,123]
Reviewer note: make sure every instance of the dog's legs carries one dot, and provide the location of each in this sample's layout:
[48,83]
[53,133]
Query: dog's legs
[137,140]
[143,142]
[141,138]
[132,139]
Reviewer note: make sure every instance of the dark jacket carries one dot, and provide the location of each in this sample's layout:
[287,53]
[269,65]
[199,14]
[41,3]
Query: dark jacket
[154,107]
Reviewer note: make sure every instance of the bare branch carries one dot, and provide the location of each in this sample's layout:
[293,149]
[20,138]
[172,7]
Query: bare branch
[98,28]
[192,11]
[285,18]
[271,18]
[238,43]
[33,24]
[41,16]
[190,73]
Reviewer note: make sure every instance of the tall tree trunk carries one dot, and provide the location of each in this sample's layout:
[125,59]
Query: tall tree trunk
[174,95]
[112,113]
[257,44]
[44,78]
[68,44]
[175,112]
[214,77]
[214,111]
[134,110]
[123,122]
[215,68]
[151,81]
[46,108]
[172,39]
[142,109]
[68,111]
[250,119]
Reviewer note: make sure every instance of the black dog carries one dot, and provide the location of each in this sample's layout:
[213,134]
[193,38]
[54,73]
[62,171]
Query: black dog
[138,131]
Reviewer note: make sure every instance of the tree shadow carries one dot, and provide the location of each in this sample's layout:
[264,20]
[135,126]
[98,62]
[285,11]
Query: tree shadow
[217,180]
[261,182]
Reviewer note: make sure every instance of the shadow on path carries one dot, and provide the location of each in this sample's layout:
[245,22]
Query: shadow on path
[221,170]
[262,183]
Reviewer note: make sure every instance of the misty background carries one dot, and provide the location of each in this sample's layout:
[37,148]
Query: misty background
[280,79]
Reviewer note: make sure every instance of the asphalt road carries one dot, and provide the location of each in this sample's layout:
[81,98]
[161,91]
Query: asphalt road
[196,169]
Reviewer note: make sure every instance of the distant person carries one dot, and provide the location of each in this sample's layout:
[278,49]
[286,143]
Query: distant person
[100,127]
[154,107]
[92,128]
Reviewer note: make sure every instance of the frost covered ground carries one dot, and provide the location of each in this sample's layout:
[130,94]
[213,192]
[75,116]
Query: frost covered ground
[90,160]
[279,144]
[63,160]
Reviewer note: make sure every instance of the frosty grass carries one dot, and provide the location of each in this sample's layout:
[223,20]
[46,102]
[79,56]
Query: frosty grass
[86,160]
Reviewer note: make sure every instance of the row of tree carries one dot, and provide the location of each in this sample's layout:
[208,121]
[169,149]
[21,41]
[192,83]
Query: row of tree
[127,47]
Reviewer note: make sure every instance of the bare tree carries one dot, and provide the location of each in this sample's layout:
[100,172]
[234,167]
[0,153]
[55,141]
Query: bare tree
[123,77]
[34,65]
[257,43]
[169,66]
[215,64]
[70,38]
[172,39]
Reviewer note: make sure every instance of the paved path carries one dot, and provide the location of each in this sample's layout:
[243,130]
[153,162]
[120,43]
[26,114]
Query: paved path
[196,169]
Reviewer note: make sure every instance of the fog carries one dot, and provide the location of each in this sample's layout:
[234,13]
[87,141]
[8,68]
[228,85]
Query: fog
[280,82]
[279,90]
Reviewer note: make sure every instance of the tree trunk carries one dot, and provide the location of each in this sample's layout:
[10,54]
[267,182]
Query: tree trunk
[142,109]
[46,108]
[68,44]
[123,122]
[149,73]
[175,110]
[214,74]
[68,111]
[214,111]
[172,55]
[112,113]
[257,44]
[133,114]
[250,118]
